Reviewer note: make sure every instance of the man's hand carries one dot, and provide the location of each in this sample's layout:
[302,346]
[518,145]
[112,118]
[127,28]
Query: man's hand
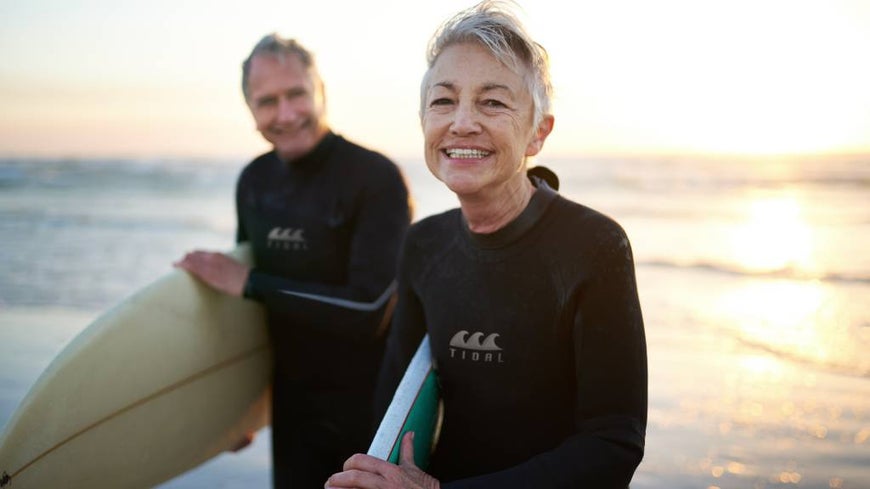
[217,270]
[243,442]
[367,472]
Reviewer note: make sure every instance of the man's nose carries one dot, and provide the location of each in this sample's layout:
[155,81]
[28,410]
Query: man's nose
[286,110]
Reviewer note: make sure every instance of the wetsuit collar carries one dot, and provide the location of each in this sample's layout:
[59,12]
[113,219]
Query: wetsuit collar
[538,204]
[316,156]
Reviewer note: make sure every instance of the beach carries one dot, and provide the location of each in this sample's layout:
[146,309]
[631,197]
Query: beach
[753,275]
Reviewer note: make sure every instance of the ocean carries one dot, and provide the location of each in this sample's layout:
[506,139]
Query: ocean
[753,273]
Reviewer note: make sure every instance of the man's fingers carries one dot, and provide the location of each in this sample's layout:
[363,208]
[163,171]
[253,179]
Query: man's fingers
[199,261]
[190,258]
[243,442]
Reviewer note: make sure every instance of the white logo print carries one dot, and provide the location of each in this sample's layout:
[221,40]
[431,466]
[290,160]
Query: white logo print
[462,340]
[465,346]
[287,239]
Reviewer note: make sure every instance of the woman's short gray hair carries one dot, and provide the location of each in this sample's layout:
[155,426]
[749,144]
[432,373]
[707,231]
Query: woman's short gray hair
[275,45]
[492,24]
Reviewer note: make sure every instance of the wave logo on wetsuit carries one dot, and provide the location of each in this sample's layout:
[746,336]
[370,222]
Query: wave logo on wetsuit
[475,347]
[287,239]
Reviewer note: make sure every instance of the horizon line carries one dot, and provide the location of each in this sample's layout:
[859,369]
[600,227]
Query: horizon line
[629,154]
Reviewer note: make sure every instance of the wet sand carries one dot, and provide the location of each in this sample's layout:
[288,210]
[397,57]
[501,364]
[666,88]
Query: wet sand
[721,414]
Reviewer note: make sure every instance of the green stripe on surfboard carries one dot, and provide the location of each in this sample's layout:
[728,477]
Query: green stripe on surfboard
[416,406]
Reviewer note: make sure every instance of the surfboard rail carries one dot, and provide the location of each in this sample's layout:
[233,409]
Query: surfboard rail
[416,407]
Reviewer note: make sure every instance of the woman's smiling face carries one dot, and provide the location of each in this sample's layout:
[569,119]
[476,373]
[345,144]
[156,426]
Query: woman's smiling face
[478,121]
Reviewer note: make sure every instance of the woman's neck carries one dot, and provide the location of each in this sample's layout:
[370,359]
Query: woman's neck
[488,213]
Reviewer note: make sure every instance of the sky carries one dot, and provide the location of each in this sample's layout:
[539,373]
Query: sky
[161,78]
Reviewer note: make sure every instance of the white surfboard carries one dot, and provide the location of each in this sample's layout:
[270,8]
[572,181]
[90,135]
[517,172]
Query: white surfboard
[167,379]
[416,407]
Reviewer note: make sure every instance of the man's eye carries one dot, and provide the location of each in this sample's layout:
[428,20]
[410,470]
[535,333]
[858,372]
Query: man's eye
[493,103]
[266,102]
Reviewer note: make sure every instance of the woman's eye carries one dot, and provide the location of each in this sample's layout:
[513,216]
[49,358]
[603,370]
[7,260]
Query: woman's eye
[493,103]
[441,101]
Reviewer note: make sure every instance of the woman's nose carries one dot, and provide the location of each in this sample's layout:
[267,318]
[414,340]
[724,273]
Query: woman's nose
[465,120]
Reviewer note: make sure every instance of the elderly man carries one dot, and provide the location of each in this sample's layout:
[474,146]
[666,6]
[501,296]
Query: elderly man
[325,219]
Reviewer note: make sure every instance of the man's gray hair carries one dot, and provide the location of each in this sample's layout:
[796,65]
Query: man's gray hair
[492,24]
[275,45]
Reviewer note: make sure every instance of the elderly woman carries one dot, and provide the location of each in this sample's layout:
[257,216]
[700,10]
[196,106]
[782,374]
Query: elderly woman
[529,299]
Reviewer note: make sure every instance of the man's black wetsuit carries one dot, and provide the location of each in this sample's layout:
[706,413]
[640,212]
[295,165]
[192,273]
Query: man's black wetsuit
[326,231]
[538,339]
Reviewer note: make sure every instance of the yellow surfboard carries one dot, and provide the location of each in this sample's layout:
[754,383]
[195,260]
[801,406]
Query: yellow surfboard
[170,377]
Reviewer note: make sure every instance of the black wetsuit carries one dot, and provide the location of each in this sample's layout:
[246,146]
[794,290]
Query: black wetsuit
[326,231]
[538,339]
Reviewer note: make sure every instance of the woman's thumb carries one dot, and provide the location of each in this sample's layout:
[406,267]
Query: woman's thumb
[406,453]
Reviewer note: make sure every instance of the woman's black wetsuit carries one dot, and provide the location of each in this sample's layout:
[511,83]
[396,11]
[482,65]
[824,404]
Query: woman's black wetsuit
[538,339]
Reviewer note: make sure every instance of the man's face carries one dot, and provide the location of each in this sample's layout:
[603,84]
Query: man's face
[287,103]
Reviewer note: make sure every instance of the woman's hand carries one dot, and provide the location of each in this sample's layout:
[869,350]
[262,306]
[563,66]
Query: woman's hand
[367,472]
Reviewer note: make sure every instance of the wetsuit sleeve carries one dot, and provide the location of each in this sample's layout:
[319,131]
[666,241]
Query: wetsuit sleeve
[611,388]
[356,306]
[241,232]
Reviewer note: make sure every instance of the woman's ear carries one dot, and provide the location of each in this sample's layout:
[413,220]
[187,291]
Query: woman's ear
[543,130]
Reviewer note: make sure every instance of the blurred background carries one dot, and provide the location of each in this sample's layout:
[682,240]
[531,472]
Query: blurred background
[730,139]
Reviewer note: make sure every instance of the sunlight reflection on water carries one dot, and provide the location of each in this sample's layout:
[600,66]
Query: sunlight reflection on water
[774,235]
[800,320]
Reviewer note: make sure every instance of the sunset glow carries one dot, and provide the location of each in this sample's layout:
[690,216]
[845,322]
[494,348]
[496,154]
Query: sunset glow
[773,237]
[676,76]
